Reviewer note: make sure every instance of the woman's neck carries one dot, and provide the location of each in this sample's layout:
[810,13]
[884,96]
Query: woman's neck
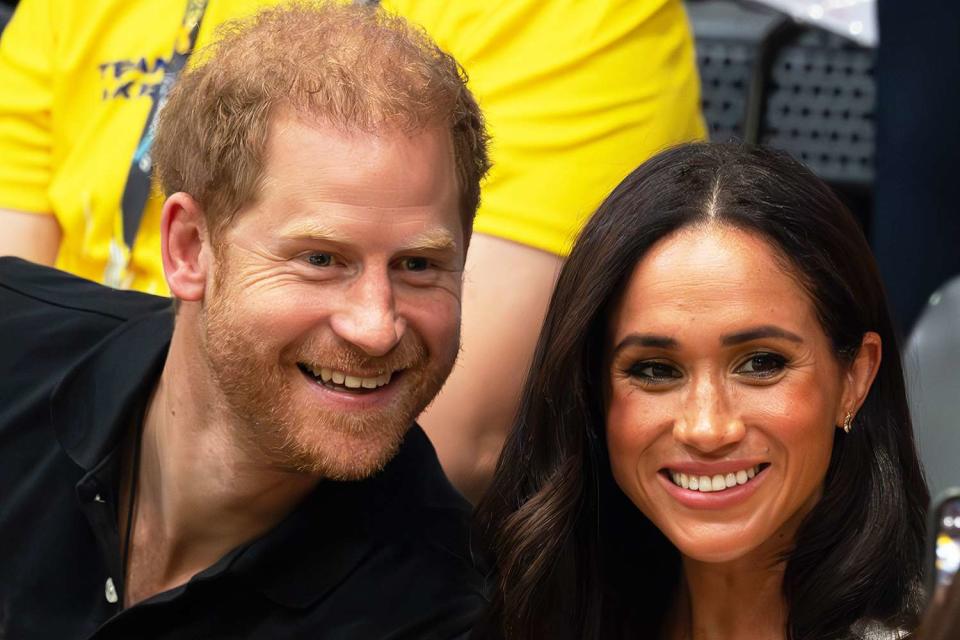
[729,601]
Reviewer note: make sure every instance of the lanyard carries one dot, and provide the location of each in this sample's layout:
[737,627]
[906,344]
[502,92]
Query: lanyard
[137,188]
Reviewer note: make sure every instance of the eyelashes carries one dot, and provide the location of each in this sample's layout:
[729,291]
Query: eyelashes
[410,264]
[653,372]
[762,365]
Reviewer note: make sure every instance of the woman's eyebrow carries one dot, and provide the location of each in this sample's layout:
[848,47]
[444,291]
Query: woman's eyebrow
[647,340]
[666,342]
[756,333]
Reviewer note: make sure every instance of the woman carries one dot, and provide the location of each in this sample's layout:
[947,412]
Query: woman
[714,439]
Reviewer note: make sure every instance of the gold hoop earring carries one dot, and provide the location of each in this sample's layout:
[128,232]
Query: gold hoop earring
[847,422]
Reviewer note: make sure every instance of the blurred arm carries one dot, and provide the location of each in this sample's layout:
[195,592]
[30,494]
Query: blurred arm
[27,69]
[32,236]
[507,287]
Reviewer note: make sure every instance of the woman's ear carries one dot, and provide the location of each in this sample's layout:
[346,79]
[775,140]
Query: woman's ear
[184,245]
[860,375]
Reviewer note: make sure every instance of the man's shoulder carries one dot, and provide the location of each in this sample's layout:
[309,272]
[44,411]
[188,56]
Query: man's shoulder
[422,516]
[50,321]
[27,285]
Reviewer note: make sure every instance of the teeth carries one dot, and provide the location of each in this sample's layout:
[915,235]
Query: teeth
[351,382]
[718,483]
[708,484]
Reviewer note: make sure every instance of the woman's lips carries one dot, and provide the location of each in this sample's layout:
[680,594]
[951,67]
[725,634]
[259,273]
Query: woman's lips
[712,480]
[713,487]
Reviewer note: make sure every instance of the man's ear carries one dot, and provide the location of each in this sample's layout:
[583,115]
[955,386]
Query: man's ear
[185,246]
[860,374]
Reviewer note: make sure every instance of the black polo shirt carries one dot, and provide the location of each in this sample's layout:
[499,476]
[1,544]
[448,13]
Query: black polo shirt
[386,557]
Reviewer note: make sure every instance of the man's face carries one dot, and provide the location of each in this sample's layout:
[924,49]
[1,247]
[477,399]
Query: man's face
[332,316]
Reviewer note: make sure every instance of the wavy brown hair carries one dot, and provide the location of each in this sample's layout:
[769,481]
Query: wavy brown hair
[572,556]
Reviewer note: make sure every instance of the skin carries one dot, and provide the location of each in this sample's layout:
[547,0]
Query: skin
[688,385]
[31,236]
[470,419]
[351,257]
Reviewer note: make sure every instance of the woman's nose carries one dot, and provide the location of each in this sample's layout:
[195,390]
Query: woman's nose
[707,421]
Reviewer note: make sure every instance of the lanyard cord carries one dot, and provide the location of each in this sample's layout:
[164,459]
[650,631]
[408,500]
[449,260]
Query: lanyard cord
[137,188]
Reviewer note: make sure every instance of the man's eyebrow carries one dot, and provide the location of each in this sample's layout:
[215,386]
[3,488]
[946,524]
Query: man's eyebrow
[430,240]
[756,333]
[647,340]
[310,229]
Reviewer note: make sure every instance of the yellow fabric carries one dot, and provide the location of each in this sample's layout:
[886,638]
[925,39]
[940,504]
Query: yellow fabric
[76,80]
[576,93]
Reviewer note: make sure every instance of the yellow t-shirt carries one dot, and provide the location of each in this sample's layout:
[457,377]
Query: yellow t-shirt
[576,94]
[76,82]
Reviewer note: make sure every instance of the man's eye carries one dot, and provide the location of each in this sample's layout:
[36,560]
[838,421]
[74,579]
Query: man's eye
[320,259]
[415,264]
[654,372]
[763,365]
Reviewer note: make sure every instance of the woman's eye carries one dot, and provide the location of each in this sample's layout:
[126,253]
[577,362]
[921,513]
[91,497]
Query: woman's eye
[415,264]
[320,259]
[763,365]
[654,372]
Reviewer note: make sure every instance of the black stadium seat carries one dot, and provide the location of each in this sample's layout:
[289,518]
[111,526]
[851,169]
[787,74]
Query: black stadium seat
[769,80]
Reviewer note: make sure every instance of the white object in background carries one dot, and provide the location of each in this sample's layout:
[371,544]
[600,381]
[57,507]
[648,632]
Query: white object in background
[854,19]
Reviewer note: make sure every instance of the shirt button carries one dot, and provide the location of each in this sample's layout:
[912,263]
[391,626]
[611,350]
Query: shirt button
[110,591]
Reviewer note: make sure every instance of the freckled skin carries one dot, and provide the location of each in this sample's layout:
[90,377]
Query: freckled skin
[697,286]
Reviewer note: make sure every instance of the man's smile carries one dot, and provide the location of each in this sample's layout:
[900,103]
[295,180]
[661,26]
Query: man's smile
[342,381]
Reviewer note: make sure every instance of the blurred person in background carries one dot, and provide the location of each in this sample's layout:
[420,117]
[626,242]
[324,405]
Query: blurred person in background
[942,619]
[575,95]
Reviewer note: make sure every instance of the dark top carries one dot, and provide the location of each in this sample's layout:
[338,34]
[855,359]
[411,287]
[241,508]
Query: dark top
[386,557]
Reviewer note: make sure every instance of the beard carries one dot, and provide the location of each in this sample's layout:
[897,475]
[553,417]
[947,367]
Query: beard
[278,416]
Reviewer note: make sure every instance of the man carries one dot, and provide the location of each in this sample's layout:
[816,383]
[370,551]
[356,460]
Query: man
[576,94]
[252,469]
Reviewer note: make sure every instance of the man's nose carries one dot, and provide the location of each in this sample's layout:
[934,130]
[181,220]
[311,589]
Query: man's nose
[707,421]
[368,316]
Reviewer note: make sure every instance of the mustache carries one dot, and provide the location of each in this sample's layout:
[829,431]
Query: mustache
[409,353]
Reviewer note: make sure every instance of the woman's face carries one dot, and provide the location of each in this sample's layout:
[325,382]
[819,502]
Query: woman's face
[723,394]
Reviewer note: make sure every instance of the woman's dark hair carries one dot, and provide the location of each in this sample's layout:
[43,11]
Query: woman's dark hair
[573,557]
